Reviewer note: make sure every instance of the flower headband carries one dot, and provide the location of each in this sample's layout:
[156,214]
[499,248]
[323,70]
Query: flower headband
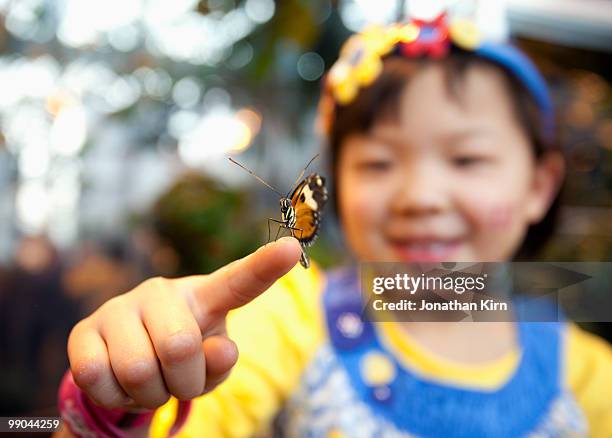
[361,61]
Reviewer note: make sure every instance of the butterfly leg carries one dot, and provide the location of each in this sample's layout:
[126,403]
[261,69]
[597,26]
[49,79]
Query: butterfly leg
[292,229]
[281,225]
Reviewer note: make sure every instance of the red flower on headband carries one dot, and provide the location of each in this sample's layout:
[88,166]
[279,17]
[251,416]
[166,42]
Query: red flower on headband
[433,40]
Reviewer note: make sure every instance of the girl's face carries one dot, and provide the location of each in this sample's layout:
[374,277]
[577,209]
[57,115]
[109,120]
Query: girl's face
[452,179]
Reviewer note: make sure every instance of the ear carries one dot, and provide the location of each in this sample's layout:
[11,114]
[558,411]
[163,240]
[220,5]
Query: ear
[549,174]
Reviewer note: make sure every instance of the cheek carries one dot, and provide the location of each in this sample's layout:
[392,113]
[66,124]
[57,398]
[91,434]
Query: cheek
[495,213]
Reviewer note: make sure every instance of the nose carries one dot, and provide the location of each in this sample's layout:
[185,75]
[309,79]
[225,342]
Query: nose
[421,189]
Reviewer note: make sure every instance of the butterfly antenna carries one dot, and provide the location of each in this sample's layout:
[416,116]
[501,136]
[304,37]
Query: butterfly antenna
[258,178]
[299,178]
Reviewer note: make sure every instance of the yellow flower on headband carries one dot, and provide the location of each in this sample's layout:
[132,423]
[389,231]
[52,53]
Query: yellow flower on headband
[465,34]
[403,33]
[360,60]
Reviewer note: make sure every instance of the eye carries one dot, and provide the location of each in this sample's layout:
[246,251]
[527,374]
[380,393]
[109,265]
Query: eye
[377,165]
[468,160]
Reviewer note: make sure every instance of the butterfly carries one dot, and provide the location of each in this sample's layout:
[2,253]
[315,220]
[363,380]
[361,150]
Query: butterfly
[300,208]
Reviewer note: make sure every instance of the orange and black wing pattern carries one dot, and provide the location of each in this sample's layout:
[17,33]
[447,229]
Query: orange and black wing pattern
[308,200]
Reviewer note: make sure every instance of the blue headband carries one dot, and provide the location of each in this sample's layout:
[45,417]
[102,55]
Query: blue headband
[520,66]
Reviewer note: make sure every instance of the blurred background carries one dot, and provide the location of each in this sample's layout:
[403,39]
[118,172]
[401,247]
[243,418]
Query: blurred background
[117,116]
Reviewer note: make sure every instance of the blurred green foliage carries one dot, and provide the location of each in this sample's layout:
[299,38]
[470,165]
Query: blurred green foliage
[207,225]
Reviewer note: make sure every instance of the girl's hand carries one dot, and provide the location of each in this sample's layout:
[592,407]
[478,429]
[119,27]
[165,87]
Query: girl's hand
[167,337]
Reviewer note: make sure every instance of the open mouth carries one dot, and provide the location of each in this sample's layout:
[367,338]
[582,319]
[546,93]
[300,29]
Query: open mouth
[426,250]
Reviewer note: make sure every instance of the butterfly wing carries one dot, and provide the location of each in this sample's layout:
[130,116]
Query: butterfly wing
[308,200]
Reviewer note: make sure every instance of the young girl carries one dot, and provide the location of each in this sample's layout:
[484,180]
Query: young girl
[442,150]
